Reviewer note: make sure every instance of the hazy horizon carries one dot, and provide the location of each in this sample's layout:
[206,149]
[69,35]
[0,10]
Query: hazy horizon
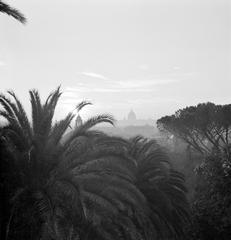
[152,56]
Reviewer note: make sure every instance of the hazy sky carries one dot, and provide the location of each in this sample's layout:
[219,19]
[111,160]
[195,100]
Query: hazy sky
[154,56]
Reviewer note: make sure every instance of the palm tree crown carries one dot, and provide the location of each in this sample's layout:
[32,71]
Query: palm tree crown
[85,185]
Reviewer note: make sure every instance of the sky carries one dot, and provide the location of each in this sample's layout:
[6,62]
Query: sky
[152,56]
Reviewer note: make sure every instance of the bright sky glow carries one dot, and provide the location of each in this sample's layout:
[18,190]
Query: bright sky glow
[154,56]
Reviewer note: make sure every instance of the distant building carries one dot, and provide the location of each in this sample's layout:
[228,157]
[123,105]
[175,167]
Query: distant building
[132,126]
[78,121]
[132,120]
[131,116]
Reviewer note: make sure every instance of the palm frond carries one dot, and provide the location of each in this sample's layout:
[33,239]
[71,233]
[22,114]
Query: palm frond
[48,111]
[93,121]
[44,204]
[82,104]
[36,107]
[5,8]
[60,128]
[7,105]
[17,119]
[21,115]
[87,125]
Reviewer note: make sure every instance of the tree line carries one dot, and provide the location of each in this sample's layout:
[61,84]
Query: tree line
[206,129]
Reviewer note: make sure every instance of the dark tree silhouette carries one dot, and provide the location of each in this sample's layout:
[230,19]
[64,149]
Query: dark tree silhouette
[84,184]
[206,127]
[5,8]
[162,187]
[39,170]
[212,201]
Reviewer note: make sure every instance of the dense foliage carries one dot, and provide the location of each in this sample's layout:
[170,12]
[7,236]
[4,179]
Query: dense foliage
[85,185]
[212,201]
[205,127]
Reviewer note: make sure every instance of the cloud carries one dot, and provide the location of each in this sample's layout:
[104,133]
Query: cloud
[117,86]
[73,101]
[146,83]
[118,95]
[93,75]
[125,90]
[71,90]
[127,85]
[153,100]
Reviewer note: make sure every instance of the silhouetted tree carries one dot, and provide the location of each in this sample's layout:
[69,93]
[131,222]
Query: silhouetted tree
[212,200]
[85,185]
[206,127]
[39,167]
[162,187]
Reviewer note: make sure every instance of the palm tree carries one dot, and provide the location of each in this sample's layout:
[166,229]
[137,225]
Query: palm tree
[67,188]
[42,168]
[85,185]
[162,187]
[5,8]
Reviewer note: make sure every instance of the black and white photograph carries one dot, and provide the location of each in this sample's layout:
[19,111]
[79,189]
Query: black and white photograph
[115,119]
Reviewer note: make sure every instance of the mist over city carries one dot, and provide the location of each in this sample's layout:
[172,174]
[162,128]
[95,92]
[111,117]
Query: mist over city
[115,120]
